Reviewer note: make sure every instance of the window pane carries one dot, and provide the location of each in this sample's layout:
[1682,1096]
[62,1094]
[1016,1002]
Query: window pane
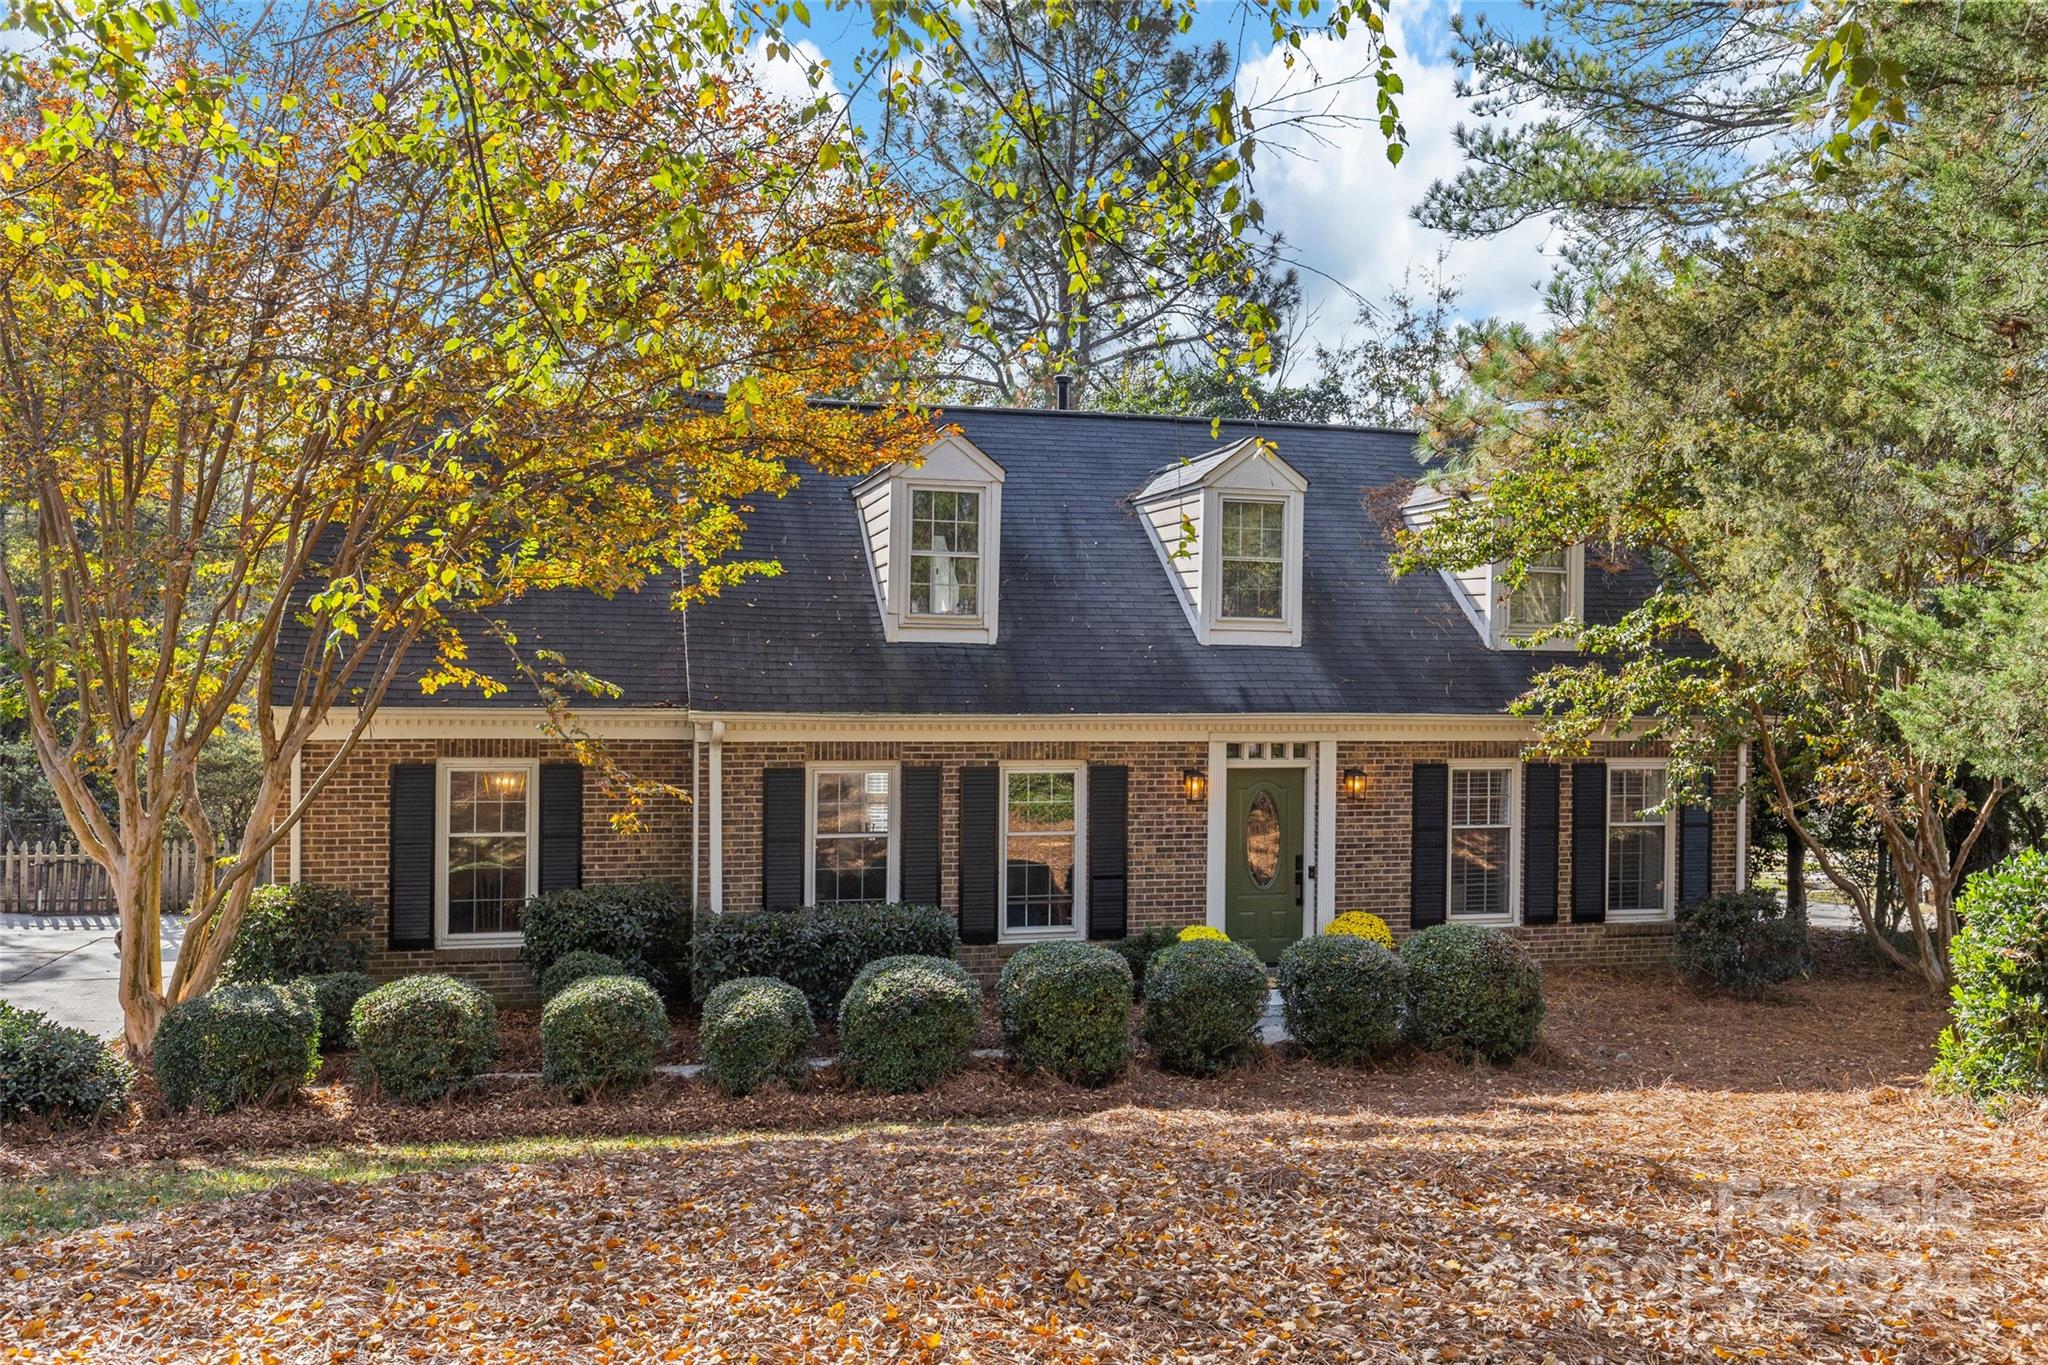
[851,862]
[486,883]
[1479,796]
[1635,868]
[1262,840]
[1540,600]
[1251,588]
[1632,793]
[1038,874]
[1479,872]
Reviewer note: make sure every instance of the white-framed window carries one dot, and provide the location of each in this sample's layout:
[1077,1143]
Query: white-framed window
[1042,850]
[1253,558]
[945,552]
[487,863]
[1552,592]
[853,833]
[1639,842]
[1482,840]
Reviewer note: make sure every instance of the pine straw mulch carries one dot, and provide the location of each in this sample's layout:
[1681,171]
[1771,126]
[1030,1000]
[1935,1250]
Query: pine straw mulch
[1670,1177]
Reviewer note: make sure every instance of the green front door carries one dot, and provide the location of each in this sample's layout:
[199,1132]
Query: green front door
[1262,876]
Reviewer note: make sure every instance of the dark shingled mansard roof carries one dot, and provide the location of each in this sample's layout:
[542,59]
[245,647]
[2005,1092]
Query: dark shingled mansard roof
[1089,621]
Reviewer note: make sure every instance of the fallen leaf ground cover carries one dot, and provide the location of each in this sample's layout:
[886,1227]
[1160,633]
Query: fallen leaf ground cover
[1671,1176]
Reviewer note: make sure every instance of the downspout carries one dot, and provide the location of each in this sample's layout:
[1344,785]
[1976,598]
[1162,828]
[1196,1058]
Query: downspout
[298,826]
[696,812]
[717,781]
[1742,818]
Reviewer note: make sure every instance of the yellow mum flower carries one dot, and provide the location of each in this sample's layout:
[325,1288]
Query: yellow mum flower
[1203,931]
[1360,924]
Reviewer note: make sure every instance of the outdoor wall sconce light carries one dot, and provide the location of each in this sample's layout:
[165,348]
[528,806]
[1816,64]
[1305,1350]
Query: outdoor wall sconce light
[1354,782]
[1194,783]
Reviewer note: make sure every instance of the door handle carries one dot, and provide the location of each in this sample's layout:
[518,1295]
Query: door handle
[1297,878]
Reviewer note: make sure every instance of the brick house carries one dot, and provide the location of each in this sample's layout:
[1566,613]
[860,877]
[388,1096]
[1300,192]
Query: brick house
[1073,675]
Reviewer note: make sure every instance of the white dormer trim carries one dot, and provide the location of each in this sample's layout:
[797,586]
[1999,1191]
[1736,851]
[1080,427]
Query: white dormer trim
[1481,591]
[1182,510]
[882,501]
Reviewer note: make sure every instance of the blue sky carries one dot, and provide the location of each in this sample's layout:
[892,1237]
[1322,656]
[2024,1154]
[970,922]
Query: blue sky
[1343,210]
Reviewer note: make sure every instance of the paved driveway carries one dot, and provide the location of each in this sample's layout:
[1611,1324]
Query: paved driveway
[66,966]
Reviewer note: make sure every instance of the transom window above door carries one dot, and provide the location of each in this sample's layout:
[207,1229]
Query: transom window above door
[1482,843]
[485,849]
[852,828]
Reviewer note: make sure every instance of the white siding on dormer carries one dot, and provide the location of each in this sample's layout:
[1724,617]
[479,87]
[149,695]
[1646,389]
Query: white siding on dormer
[873,502]
[1176,523]
[1472,587]
[1183,502]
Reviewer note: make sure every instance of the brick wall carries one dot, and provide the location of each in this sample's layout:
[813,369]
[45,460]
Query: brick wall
[1373,836]
[345,838]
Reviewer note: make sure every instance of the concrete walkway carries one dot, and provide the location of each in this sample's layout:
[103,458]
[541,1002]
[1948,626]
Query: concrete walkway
[66,966]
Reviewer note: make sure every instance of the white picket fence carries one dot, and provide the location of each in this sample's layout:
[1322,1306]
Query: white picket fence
[53,877]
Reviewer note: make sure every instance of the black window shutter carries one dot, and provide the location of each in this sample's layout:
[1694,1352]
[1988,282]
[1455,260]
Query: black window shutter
[1589,843]
[412,855]
[1539,843]
[782,838]
[1695,852]
[918,843]
[1429,849]
[561,826]
[1108,849]
[980,878]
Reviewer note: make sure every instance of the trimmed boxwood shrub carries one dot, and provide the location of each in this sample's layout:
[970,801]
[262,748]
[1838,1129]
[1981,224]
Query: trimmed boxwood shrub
[1203,999]
[1344,996]
[907,1023]
[1472,992]
[1066,1009]
[570,968]
[334,996]
[640,924]
[755,1028]
[299,930]
[1137,950]
[1996,1044]
[248,1043]
[420,1037]
[1740,941]
[601,1033]
[56,1074]
[819,949]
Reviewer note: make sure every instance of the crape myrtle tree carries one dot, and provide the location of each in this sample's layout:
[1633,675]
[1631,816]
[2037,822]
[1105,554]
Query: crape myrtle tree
[335,330]
[318,338]
[1825,430]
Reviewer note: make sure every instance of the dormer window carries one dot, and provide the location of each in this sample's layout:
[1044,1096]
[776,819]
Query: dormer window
[1551,594]
[945,552]
[1552,591]
[933,531]
[1228,529]
[1254,560]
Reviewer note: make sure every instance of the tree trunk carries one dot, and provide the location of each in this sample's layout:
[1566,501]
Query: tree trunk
[1795,877]
[138,896]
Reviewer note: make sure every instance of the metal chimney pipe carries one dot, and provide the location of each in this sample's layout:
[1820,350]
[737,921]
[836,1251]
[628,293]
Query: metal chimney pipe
[1063,392]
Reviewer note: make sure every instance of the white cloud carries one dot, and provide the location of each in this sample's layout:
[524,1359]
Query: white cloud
[788,78]
[1345,212]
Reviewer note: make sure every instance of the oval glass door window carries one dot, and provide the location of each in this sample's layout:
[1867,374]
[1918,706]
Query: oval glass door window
[1262,839]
